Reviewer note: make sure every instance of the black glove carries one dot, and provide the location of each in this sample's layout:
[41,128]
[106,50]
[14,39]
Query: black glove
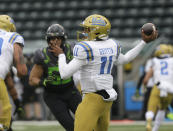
[19,108]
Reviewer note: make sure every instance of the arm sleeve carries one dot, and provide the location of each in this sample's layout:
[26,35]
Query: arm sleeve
[83,51]
[67,70]
[131,54]
[17,38]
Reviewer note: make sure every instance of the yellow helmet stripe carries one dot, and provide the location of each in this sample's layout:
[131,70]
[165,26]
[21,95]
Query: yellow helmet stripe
[88,49]
[91,56]
[13,37]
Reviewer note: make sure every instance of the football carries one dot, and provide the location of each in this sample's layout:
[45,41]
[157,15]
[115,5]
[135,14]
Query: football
[148,28]
[149,32]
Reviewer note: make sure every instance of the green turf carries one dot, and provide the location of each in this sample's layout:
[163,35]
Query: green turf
[138,128]
[38,128]
[112,128]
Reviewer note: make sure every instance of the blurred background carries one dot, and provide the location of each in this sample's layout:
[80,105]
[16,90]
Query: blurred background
[33,17]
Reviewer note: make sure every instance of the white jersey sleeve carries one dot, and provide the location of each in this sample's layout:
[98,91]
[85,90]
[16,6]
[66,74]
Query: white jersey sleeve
[16,38]
[67,70]
[83,51]
[131,54]
[7,40]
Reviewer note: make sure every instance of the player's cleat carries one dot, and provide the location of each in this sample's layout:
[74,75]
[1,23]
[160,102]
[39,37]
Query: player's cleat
[148,125]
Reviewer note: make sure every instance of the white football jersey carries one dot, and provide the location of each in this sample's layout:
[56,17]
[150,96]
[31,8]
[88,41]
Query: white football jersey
[7,40]
[163,69]
[100,57]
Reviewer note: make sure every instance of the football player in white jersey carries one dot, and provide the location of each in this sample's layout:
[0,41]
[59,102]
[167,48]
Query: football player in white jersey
[94,57]
[161,94]
[146,89]
[11,45]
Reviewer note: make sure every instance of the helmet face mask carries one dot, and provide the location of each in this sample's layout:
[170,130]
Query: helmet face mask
[7,23]
[49,38]
[95,27]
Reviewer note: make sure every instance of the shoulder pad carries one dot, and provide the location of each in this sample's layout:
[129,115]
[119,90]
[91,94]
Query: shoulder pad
[16,38]
[82,50]
[39,57]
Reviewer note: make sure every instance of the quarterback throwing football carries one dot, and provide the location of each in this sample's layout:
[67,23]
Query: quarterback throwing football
[94,56]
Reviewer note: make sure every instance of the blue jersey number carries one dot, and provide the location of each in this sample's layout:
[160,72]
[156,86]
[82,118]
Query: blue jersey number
[104,61]
[164,67]
[1,42]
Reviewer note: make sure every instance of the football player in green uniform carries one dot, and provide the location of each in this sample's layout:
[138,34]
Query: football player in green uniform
[60,95]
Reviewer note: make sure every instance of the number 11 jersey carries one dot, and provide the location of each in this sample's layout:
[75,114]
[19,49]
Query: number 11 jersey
[99,57]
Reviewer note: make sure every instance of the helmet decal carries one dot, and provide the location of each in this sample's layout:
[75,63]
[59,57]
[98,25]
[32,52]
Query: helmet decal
[98,21]
[95,27]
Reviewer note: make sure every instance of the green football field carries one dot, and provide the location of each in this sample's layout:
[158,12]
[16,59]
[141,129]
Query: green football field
[53,126]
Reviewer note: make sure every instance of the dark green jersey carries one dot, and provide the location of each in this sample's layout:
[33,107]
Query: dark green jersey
[49,62]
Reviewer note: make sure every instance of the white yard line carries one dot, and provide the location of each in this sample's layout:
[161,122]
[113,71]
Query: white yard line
[50,123]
